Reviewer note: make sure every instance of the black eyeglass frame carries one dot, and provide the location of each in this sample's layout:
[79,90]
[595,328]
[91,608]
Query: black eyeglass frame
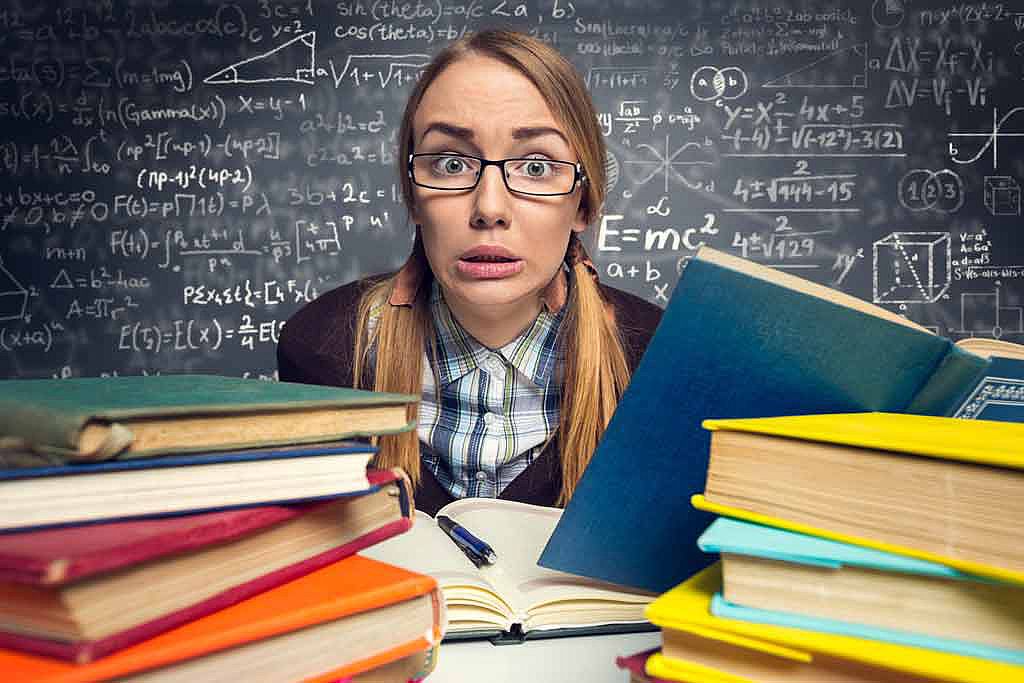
[578,175]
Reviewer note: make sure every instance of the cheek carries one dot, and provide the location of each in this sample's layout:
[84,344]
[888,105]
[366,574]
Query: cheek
[436,247]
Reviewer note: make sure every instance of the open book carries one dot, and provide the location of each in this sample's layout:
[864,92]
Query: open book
[741,340]
[513,599]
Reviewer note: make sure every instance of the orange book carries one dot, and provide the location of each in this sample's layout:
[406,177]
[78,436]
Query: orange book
[346,618]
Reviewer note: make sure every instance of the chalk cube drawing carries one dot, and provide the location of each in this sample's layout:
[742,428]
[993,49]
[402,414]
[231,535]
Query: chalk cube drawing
[13,297]
[911,267]
[1002,195]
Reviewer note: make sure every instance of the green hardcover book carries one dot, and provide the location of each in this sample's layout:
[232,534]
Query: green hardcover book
[100,418]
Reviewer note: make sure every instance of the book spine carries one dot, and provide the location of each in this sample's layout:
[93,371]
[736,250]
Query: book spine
[53,433]
[953,379]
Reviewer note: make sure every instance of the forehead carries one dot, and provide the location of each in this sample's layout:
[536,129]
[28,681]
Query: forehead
[483,94]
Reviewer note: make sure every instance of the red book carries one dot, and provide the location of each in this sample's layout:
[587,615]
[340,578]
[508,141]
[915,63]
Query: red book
[634,664]
[345,619]
[60,595]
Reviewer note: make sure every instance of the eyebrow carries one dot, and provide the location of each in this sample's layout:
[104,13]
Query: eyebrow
[462,133]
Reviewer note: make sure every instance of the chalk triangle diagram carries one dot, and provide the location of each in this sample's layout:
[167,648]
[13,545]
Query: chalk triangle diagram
[271,66]
[62,281]
[821,72]
[13,297]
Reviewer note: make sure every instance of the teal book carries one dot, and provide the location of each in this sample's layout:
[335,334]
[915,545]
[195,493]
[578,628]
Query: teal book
[720,607]
[88,419]
[781,577]
[737,340]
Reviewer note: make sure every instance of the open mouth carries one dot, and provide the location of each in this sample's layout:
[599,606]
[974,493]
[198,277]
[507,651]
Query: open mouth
[489,259]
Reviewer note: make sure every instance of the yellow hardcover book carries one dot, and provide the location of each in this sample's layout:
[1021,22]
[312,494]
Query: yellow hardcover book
[686,608]
[979,441]
[939,489]
[670,669]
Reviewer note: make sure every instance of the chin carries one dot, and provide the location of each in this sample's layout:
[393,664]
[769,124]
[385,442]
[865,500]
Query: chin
[495,292]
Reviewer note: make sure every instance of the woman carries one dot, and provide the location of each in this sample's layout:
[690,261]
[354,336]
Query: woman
[497,318]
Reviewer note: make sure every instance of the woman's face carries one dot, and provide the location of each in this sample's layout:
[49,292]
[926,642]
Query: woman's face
[482,107]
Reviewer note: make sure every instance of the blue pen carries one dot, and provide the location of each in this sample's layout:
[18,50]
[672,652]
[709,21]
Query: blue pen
[461,535]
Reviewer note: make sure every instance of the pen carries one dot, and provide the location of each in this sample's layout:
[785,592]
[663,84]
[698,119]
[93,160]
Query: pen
[462,537]
[468,552]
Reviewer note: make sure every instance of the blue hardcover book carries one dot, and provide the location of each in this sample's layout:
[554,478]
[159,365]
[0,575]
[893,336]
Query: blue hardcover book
[736,340]
[116,489]
[999,395]
[781,577]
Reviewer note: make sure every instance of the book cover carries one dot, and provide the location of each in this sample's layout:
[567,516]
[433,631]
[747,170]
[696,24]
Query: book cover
[976,441]
[999,395]
[734,537]
[97,418]
[723,608]
[727,535]
[352,586]
[967,566]
[732,344]
[38,557]
[687,608]
[121,489]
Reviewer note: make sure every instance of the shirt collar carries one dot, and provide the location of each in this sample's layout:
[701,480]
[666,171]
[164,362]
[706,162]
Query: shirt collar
[534,353]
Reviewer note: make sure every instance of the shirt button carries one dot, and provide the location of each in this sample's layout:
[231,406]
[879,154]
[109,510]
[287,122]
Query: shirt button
[495,365]
[481,476]
[491,419]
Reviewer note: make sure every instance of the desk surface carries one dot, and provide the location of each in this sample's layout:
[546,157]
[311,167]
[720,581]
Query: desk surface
[583,658]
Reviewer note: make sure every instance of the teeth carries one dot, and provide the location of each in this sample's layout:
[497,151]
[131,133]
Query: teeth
[490,259]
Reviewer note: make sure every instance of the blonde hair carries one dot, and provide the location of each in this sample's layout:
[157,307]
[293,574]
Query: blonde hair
[595,372]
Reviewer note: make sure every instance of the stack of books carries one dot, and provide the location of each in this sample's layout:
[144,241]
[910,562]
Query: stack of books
[855,547]
[741,340]
[186,528]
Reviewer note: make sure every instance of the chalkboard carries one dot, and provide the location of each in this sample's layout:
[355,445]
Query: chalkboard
[178,178]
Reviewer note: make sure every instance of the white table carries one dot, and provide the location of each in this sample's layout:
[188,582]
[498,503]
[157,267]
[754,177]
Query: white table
[587,659]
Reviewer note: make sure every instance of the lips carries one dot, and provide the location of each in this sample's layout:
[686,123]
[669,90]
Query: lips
[489,254]
[489,262]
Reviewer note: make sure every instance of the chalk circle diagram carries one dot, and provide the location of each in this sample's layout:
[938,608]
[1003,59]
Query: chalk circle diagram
[712,83]
[844,68]
[888,13]
[270,66]
[921,189]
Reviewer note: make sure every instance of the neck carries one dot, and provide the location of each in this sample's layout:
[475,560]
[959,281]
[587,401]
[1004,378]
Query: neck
[497,325]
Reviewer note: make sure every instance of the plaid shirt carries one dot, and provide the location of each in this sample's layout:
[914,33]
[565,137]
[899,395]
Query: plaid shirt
[495,410]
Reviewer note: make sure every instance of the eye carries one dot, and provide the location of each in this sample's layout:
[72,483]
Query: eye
[451,165]
[536,169]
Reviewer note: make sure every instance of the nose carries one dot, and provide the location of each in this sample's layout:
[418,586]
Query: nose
[491,200]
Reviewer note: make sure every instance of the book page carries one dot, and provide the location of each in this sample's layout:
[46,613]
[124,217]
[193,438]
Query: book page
[472,602]
[518,533]
[992,347]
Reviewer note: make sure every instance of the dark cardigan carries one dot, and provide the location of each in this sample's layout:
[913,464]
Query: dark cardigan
[316,347]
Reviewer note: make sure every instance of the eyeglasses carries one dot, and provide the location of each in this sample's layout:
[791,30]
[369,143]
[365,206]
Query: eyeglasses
[530,175]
